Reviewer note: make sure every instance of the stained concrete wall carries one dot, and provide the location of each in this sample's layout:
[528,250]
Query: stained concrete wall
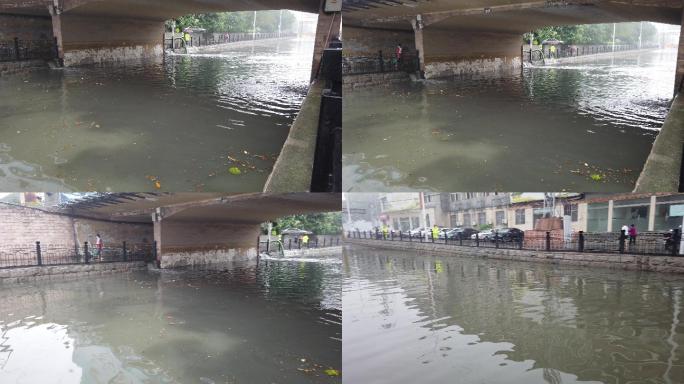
[186,243]
[360,41]
[22,226]
[25,27]
[454,52]
[92,39]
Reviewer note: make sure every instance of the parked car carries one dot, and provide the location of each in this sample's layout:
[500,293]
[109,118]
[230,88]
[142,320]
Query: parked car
[508,234]
[461,233]
[483,235]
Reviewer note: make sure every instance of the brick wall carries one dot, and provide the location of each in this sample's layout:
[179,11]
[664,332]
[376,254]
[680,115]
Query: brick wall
[21,226]
[25,27]
[367,42]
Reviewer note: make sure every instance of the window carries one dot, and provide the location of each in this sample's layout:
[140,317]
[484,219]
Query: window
[500,217]
[466,220]
[453,221]
[482,218]
[570,210]
[405,224]
[383,203]
[520,216]
[395,224]
[453,196]
[415,222]
[427,221]
[597,217]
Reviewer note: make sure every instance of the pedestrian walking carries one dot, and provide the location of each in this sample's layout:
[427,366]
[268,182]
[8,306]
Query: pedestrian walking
[305,241]
[99,246]
[625,230]
[398,52]
[385,231]
[632,234]
[435,232]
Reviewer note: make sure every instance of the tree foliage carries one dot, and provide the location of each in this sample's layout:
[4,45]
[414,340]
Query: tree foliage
[266,21]
[329,223]
[625,33]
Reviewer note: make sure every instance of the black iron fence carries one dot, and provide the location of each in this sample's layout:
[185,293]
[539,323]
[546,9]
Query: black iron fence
[201,40]
[382,63]
[38,254]
[295,244]
[650,243]
[558,51]
[17,50]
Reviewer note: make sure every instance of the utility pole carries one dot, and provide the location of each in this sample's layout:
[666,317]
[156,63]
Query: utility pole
[423,222]
[254,27]
[641,28]
[280,24]
[614,37]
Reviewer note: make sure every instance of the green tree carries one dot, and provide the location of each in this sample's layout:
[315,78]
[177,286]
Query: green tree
[625,33]
[329,223]
[267,21]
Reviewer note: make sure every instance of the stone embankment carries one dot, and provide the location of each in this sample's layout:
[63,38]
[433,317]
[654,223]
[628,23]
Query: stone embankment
[28,274]
[603,260]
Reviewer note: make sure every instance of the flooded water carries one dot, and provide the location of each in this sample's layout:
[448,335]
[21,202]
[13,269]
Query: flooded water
[422,319]
[579,127]
[175,125]
[276,323]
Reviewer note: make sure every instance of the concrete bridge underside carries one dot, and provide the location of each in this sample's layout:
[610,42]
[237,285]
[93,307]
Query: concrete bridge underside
[455,37]
[93,31]
[201,228]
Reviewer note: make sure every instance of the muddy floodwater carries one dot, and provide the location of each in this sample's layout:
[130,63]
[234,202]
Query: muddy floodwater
[422,319]
[279,322]
[179,124]
[584,126]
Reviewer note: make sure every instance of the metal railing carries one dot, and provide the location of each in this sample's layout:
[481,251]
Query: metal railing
[650,243]
[36,255]
[381,63]
[18,50]
[294,244]
[177,41]
[570,50]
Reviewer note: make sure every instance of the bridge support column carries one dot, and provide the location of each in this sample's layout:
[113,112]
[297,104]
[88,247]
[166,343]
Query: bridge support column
[190,243]
[55,13]
[418,26]
[327,29]
[679,74]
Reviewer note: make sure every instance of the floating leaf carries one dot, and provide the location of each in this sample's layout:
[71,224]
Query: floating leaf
[595,177]
[234,170]
[157,184]
[332,372]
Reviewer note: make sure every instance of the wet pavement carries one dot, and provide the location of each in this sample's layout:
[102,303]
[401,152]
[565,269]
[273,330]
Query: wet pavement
[578,127]
[411,319]
[176,125]
[279,322]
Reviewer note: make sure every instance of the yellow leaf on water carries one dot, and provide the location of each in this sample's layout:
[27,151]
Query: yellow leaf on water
[157,184]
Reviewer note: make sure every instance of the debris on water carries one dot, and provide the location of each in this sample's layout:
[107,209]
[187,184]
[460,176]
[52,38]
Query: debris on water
[155,180]
[332,372]
[234,170]
[596,177]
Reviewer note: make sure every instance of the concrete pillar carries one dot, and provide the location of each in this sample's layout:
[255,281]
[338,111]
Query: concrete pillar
[652,214]
[199,243]
[418,26]
[55,12]
[679,74]
[328,28]
[610,216]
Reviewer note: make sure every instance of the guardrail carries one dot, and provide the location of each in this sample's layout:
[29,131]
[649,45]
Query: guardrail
[361,65]
[572,50]
[177,41]
[18,50]
[290,244]
[38,255]
[651,243]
